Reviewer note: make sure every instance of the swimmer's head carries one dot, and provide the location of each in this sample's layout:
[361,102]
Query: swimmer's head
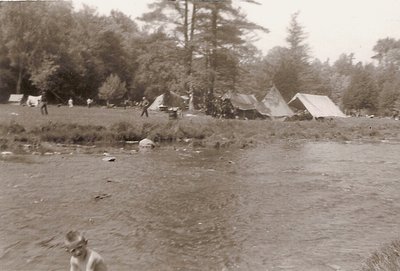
[75,244]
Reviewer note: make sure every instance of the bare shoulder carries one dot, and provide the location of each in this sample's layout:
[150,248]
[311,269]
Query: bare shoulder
[95,256]
[74,263]
[96,262]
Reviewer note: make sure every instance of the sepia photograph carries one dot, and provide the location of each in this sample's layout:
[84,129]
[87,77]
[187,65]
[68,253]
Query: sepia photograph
[200,135]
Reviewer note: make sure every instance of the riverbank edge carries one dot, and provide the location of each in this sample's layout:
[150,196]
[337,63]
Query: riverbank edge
[208,134]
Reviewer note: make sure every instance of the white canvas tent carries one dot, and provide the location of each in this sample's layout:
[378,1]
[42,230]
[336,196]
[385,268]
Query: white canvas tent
[274,101]
[15,98]
[157,103]
[33,100]
[317,105]
[168,100]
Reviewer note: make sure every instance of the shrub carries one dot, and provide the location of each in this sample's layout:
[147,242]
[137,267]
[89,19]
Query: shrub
[112,88]
[124,131]
[12,128]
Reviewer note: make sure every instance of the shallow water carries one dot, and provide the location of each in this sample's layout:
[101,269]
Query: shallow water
[290,206]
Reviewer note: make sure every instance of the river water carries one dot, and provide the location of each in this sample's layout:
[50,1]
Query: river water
[285,206]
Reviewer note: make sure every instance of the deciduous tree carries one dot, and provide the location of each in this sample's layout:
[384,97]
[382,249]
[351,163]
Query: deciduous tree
[112,89]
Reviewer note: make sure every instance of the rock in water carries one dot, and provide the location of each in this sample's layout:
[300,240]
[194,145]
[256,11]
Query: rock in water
[109,159]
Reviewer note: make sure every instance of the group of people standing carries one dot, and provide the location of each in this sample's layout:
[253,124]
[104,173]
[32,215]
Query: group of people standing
[145,104]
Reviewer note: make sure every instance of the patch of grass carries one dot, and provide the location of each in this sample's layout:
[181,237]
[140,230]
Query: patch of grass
[17,159]
[70,133]
[13,128]
[125,131]
[100,126]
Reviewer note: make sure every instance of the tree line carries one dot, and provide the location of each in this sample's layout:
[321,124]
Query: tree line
[189,47]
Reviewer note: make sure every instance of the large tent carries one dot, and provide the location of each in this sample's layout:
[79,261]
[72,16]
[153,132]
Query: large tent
[274,101]
[317,105]
[15,98]
[246,105]
[168,99]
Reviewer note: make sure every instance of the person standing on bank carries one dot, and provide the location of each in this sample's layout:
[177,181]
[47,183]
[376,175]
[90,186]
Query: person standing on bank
[43,104]
[126,103]
[145,105]
[70,102]
[89,102]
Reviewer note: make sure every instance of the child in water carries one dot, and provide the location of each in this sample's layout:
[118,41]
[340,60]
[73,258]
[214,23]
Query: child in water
[82,257]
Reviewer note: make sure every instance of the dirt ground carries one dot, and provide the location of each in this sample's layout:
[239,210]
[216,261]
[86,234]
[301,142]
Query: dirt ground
[181,209]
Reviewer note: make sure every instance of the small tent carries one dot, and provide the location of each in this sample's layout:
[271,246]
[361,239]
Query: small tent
[317,105]
[241,101]
[274,101]
[33,100]
[246,105]
[168,99]
[15,98]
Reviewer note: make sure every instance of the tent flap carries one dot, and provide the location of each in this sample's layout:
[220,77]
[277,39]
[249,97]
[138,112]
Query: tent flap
[274,101]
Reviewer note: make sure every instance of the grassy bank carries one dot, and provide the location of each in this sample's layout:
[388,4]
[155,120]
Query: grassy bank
[21,126]
[387,258]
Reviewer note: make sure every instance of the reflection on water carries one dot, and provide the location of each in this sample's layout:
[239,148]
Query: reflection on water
[290,206]
[274,207]
[191,211]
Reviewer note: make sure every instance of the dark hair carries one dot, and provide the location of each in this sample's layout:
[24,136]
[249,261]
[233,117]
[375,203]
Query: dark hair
[73,236]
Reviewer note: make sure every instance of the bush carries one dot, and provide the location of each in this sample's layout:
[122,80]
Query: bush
[124,131]
[112,88]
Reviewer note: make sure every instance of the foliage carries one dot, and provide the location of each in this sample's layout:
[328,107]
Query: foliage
[389,96]
[286,78]
[212,38]
[42,77]
[159,68]
[388,52]
[112,89]
[362,92]
[289,67]
[6,81]
[197,47]
[344,64]
[298,49]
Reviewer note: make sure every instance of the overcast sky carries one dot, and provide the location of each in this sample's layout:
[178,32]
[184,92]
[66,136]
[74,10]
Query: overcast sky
[333,26]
